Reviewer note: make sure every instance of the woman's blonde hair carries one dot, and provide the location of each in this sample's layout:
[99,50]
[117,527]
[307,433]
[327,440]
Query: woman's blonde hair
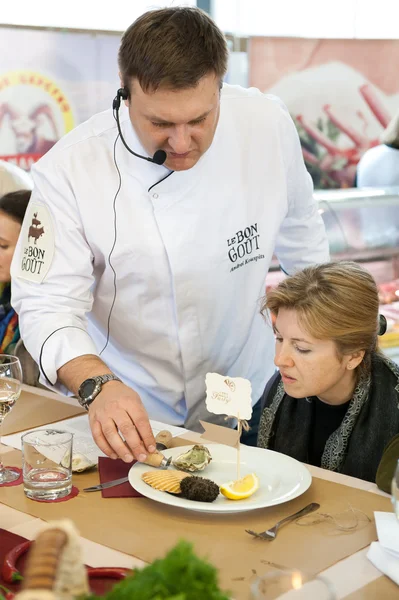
[336,301]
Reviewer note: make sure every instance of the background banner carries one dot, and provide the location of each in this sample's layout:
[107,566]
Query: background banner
[50,81]
[340,93]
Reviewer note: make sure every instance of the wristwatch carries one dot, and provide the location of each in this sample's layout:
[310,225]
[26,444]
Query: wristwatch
[91,387]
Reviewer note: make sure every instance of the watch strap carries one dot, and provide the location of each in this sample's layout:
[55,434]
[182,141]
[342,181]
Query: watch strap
[100,381]
[108,377]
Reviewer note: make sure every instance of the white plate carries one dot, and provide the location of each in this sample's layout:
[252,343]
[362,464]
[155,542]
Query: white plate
[281,479]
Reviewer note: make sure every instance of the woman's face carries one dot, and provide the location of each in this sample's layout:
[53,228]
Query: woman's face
[9,232]
[312,367]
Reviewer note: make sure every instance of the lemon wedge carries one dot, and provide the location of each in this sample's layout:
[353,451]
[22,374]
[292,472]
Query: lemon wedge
[243,488]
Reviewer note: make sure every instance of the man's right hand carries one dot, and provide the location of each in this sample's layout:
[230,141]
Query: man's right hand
[118,408]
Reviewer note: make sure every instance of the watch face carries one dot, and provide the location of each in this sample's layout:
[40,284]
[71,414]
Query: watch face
[87,388]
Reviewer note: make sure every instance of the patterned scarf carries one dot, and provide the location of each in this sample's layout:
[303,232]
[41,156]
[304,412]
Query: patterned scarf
[355,448]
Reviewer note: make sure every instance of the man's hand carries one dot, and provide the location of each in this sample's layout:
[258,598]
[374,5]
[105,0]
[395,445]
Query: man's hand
[118,407]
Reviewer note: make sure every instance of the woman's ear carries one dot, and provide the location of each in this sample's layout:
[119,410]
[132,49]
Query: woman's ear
[353,360]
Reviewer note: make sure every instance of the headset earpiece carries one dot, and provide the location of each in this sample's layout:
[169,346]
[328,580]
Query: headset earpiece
[121,94]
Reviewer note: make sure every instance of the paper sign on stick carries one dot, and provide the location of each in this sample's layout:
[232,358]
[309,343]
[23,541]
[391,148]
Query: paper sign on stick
[228,396]
[220,434]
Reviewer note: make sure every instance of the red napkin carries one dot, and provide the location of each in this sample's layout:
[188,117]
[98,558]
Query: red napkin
[109,470]
[17,481]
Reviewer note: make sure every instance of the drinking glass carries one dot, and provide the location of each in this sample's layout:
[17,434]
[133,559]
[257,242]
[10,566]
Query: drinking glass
[10,389]
[291,585]
[47,463]
[395,491]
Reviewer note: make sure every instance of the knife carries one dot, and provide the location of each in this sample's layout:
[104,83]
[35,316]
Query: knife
[163,440]
[108,484]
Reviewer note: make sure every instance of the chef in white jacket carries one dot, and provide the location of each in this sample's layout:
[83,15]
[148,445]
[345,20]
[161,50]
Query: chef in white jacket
[133,279]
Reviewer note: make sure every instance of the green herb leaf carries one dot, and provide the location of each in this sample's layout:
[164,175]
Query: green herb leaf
[181,575]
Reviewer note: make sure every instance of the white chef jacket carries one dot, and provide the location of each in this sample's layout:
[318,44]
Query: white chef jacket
[191,255]
[379,167]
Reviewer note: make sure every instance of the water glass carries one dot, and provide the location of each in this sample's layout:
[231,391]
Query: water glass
[395,491]
[47,464]
[291,585]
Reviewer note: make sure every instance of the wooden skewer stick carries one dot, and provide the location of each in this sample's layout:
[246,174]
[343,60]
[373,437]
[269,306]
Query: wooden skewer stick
[239,446]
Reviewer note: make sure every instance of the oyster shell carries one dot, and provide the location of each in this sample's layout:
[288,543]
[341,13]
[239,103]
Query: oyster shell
[81,463]
[195,459]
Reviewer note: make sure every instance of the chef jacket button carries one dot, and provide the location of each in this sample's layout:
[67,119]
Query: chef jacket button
[155,196]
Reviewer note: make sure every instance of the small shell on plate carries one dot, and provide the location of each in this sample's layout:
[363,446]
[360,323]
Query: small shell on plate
[195,459]
[164,481]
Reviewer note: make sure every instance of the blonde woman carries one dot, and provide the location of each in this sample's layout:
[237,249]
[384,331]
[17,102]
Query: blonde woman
[334,401]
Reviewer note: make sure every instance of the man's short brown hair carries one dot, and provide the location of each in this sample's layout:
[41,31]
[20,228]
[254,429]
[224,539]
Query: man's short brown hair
[172,48]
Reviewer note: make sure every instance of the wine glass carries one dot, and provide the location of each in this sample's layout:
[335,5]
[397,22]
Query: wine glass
[10,389]
[292,585]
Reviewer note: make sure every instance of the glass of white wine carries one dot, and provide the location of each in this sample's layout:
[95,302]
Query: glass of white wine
[10,389]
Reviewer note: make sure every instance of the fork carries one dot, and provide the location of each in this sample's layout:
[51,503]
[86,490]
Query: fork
[271,534]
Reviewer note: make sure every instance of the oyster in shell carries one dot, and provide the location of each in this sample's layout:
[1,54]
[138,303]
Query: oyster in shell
[195,459]
[81,463]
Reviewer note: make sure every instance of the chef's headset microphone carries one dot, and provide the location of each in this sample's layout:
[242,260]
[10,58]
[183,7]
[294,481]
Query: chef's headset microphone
[158,158]
[122,94]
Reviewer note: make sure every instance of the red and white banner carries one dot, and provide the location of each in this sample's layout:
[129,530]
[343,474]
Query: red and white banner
[340,93]
[50,81]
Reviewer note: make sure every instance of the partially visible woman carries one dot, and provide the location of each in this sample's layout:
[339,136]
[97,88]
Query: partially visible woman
[334,402]
[12,211]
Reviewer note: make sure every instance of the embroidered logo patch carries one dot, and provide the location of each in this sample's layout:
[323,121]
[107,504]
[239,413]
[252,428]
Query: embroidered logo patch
[244,247]
[37,249]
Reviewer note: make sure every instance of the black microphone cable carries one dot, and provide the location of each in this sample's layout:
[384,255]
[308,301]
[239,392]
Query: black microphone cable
[158,159]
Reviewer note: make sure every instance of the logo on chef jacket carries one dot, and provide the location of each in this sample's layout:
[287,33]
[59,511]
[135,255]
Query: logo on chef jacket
[38,244]
[243,247]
